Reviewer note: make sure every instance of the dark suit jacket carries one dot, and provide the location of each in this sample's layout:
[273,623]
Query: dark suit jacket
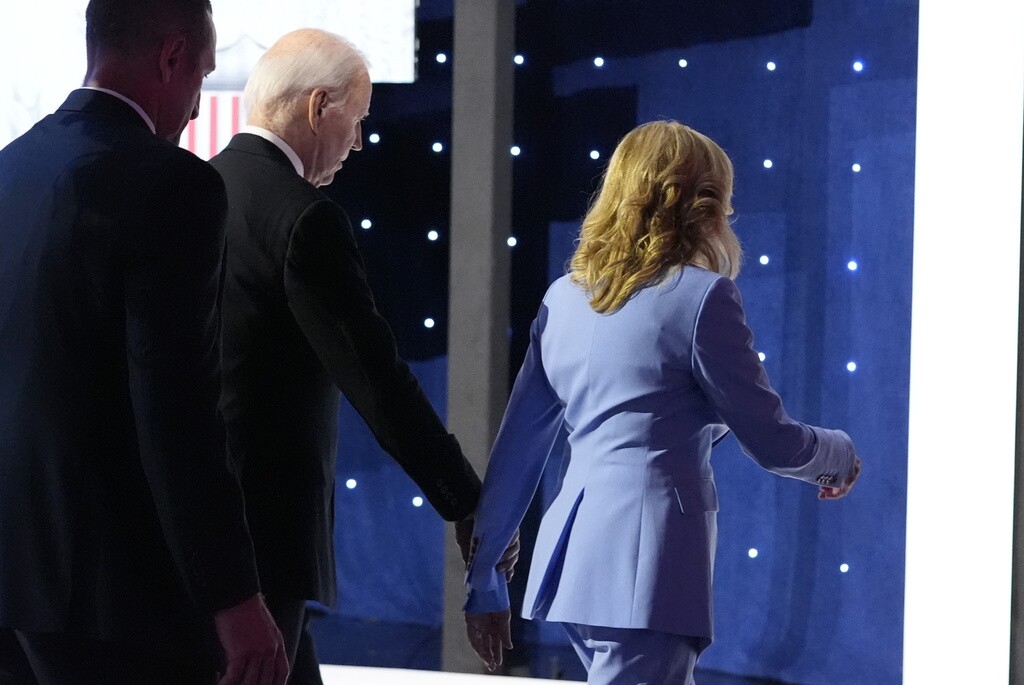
[299,322]
[120,516]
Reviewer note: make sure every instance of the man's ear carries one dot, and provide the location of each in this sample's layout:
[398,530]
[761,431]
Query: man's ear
[172,57]
[318,100]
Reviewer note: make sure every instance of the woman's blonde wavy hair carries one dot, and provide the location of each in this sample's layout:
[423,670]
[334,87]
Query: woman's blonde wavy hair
[664,203]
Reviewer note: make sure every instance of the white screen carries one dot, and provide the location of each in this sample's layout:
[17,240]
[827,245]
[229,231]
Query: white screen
[42,46]
[963,377]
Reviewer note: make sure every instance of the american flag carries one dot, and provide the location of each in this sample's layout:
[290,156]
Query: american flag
[220,118]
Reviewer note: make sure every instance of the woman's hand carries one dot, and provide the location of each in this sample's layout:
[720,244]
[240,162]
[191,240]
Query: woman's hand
[844,489]
[489,634]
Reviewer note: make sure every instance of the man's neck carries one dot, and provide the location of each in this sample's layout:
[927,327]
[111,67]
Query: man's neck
[126,83]
[293,136]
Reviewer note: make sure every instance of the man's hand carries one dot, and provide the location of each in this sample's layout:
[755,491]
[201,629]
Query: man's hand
[490,634]
[464,537]
[507,563]
[252,644]
[468,544]
[844,489]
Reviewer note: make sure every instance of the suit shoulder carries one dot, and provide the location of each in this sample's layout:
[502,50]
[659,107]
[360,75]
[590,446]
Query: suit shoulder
[322,217]
[562,286]
[692,283]
[700,278]
[254,180]
[185,168]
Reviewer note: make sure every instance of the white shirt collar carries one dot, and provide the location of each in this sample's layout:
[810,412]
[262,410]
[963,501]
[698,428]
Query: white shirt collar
[131,103]
[263,133]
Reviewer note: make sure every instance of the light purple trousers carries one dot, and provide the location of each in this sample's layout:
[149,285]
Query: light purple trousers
[630,656]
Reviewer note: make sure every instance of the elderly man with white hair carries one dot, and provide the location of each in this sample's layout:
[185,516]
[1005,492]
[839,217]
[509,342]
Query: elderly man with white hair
[299,324]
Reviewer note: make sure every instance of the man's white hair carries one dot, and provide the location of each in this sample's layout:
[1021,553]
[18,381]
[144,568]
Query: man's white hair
[298,63]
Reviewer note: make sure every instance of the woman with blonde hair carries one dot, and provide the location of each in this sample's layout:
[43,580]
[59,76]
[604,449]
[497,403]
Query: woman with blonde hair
[640,361]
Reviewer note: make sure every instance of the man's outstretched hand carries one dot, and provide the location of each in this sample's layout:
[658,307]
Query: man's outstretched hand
[507,563]
[464,537]
[468,544]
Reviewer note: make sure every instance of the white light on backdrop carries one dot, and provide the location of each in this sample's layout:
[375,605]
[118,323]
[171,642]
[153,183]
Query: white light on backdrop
[971,587]
[437,147]
[770,66]
[599,62]
[683,64]
[768,164]
[519,59]
[432,236]
[374,138]
[752,553]
[764,260]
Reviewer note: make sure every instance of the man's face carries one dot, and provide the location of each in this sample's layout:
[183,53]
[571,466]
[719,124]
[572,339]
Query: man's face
[342,130]
[181,103]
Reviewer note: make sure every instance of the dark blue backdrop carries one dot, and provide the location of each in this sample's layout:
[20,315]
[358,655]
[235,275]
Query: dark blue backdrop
[790,612]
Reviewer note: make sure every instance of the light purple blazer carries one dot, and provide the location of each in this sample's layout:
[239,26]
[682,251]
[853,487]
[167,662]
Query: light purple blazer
[636,400]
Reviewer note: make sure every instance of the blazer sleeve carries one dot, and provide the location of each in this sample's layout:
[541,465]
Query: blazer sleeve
[532,429]
[171,293]
[327,292]
[734,380]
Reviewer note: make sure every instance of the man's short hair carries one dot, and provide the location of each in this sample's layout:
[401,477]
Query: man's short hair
[133,27]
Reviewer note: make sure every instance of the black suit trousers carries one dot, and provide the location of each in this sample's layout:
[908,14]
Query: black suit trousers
[66,659]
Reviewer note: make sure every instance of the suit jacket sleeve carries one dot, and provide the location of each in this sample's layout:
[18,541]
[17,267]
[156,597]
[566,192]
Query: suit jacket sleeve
[328,294]
[532,429]
[171,299]
[733,378]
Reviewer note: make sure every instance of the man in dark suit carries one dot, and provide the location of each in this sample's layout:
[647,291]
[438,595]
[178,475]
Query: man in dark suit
[300,323]
[124,551]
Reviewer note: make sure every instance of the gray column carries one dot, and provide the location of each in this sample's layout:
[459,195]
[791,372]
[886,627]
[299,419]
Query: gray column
[481,208]
[1017,587]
